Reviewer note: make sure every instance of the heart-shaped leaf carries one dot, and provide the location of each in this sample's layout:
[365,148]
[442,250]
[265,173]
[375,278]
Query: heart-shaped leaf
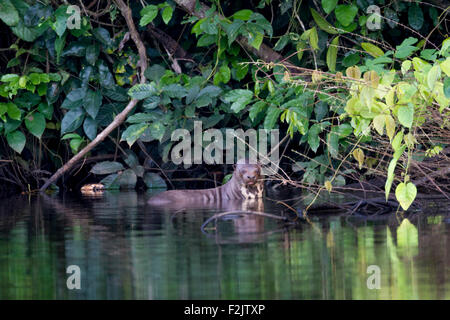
[405,194]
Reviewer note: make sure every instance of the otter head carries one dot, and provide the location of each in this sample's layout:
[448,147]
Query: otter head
[247,174]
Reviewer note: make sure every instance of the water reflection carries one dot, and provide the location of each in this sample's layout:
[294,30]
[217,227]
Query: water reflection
[127,250]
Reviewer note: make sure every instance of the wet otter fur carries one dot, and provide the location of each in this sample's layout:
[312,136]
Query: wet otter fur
[246,183]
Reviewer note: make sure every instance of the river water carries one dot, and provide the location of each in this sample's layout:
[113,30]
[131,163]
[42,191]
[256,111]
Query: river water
[125,250]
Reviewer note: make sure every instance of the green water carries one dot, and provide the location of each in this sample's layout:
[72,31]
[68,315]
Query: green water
[127,251]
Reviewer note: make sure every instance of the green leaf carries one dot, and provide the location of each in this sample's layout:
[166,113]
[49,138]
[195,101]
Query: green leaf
[102,35]
[232,30]
[72,120]
[60,24]
[322,23]
[260,21]
[243,15]
[133,132]
[358,154]
[333,144]
[406,48]
[445,48]
[378,123]
[11,77]
[332,54]
[415,17]
[300,46]
[345,14]
[391,17]
[433,75]
[223,75]
[329,5]
[107,167]
[90,128]
[405,194]
[167,14]
[74,99]
[24,33]
[75,145]
[104,75]
[3,108]
[92,103]
[127,179]
[157,130]
[34,78]
[281,43]
[397,141]
[372,49]
[256,109]
[13,111]
[256,40]
[148,14]
[71,136]
[390,177]
[111,182]
[155,72]
[11,125]
[445,66]
[320,110]
[175,90]
[210,91]
[16,140]
[447,87]
[390,126]
[351,60]
[154,181]
[406,65]
[35,123]
[206,40]
[131,159]
[8,13]
[239,99]
[343,130]
[116,93]
[314,38]
[406,115]
[271,117]
[142,91]
[313,137]
[92,53]
[142,117]
[151,102]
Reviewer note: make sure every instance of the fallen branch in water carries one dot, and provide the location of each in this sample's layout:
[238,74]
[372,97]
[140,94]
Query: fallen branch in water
[126,12]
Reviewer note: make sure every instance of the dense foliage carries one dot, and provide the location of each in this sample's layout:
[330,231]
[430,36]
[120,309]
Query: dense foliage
[332,75]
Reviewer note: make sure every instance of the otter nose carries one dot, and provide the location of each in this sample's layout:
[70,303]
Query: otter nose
[250,177]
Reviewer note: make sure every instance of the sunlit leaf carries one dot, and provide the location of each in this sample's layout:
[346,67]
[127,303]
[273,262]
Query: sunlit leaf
[332,54]
[405,194]
[322,23]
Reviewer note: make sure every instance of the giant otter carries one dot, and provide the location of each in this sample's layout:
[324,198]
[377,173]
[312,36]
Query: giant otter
[246,183]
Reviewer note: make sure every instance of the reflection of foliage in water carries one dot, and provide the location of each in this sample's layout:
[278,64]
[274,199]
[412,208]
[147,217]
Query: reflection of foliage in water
[125,252]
